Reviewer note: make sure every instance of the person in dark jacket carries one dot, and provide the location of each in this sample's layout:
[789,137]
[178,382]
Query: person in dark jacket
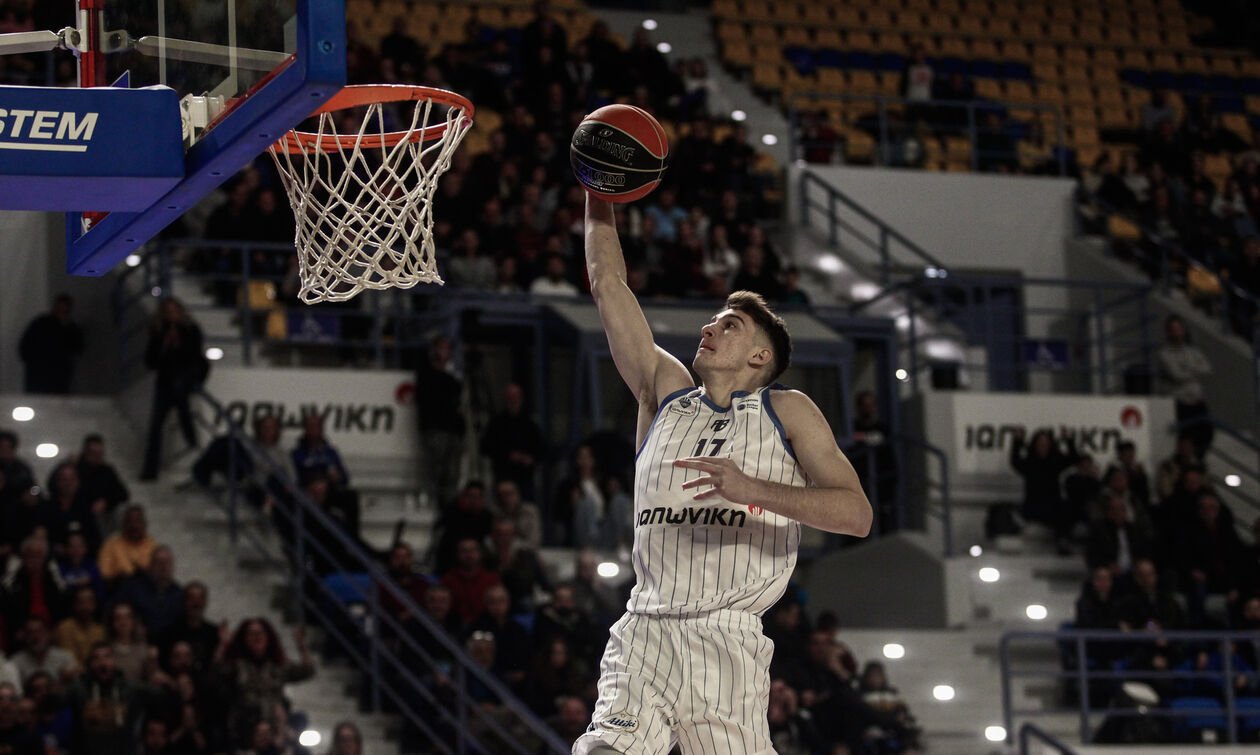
[438,402]
[513,442]
[175,353]
[1040,463]
[35,589]
[49,347]
[98,479]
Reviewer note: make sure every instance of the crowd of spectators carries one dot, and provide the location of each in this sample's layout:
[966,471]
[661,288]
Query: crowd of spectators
[103,650]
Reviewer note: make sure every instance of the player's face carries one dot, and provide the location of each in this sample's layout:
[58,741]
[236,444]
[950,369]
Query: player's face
[727,341]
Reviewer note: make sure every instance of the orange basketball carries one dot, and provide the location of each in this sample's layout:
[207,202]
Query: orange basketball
[619,153]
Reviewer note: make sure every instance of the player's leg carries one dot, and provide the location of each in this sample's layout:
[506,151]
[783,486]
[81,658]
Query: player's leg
[728,682]
[630,717]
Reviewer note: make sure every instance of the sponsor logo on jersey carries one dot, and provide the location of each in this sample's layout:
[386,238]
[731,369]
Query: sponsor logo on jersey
[720,517]
[685,406]
[620,722]
[756,510]
[720,424]
[750,405]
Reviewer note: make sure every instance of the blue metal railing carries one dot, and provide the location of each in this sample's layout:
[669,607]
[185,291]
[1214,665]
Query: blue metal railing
[394,663]
[960,119]
[1082,675]
[1029,732]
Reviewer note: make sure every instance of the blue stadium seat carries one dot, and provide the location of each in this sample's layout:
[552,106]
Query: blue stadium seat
[890,61]
[1163,80]
[1249,85]
[1248,710]
[801,58]
[1016,71]
[860,60]
[985,68]
[1188,726]
[1135,77]
[831,58]
[1230,104]
[1193,83]
[951,65]
[1222,84]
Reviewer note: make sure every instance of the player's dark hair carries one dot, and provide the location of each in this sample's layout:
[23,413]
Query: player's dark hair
[753,305]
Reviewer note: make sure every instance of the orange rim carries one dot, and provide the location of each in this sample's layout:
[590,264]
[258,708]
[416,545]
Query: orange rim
[304,142]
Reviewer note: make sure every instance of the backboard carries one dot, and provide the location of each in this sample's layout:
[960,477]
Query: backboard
[246,72]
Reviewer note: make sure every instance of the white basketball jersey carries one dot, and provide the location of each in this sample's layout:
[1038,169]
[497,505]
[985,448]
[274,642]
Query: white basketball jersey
[692,557]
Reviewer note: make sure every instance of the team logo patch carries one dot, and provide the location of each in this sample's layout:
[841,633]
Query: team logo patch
[620,722]
[720,424]
[685,406]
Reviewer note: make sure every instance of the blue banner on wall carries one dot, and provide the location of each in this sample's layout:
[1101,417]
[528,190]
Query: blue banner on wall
[102,149]
[1046,353]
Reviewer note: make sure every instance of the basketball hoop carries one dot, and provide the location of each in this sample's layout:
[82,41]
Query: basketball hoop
[362,195]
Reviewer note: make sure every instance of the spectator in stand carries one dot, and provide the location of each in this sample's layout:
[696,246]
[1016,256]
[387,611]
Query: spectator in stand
[346,740]
[667,214]
[603,515]
[78,569]
[468,518]
[467,267]
[517,565]
[1139,484]
[754,274]
[562,619]
[1170,470]
[522,514]
[9,674]
[23,513]
[995,149]
[1183,367]
[49,347]
[401,47]
[15,737]
[256,669]
[793,294]
[127,638]
[1149,604]
[872,451]
[314,455]
[15,472]
[1209,556]
[571,718]
[1040,463]
[261,482]
[1098,606]
[884,698]
[557,673]
[98,479]
[511,639]
[156,596]
[81,630]
[107,707]
[192,628]
[175,353]
[553,282]
[70,509]
[1115,542]
[39,654]
[53,719]
[791,730]
[1157,111]
[438,401]
[469,580]
[1081,488]
[402,570]
[131,549]
[34,589]
[333,553]
[514,444]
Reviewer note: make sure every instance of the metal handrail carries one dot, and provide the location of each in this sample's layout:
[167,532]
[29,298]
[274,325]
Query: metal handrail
[1082,675]
[972,128]
[305,511]
[1031,731]
[947,511]
[1248,468]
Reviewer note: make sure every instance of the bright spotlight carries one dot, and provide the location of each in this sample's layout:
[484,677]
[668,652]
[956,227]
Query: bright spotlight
[608,569]
[214,353]
[739,115]
[156,291]
[989,574]
[133,260]
[649,24]
[863,290]
[830,264]
[47,450]
[901,374]
[995,733]
[309,738]
[943,692]
[1036,612]
[23,414]
[1233,480]
[894,651]
[975,550]
[663,48]
[769,140]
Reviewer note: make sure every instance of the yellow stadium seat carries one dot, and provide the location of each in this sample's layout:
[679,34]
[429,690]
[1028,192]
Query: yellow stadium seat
[767,76]
[918,6]
[1164,61]
[955,47]
[1078,94]
[828,38]
[1194,64]
[1090,15]
[891,41]
[738,54]
[969,24]
[863,82]
[1084,136]
[1063,14]
[457,16]
[1081,115]
[1045,70]
[1109,96]
[1249,67]
[1023,114]
[1000,26]
[818,14]
[767,53]
[1016,50]
[1004,9]
[1115,117]
[1035,11]
[1106,56]
[861,40]
[986,49]
[938,22]
[1120,34]
[1123,229]
[1075,55]
[859,147]
[948,6]
[889,83]
[957,148]
[846,15]
[726,9]
[831,80]
[990,89]
[797,35]
[1178,38]
[1134,97]
[1224,65]
[1019,91]
[1044,53]
[1238,123]
[1253,104]
[1149,37]
[1135,59]
[490,15]
[759,10]
[1105,76]
[879,18]
[911,21]
[1217,168]
[1090,34]
[1048,94]
[765,34]
[730,31]
[981,8]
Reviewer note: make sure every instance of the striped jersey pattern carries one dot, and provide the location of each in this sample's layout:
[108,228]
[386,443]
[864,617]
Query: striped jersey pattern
[692,557]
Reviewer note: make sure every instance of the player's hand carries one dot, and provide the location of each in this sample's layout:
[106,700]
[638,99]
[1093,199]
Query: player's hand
[723,477]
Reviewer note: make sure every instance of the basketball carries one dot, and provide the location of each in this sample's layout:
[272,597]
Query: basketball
[619,153]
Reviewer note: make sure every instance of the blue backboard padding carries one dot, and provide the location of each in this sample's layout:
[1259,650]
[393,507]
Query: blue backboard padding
[317,72]
[88,149]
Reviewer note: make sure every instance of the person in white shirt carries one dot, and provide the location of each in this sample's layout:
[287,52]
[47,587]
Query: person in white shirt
[553,282]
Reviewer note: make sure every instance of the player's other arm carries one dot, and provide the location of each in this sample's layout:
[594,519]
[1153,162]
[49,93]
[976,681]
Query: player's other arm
[649,371]
[834,503]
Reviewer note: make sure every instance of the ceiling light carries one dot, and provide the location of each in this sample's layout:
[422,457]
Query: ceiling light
[1233,480]
[901,374]
[739,115]
[214,353]
[975,550]
[989,574]
[133,260]
[47,450]
[894,650]
[309,738]
[943,692]
[23,414]
[769,140]
[663,48]
[1036,612]
[649,24]
[608,569]
[995,733]
[830,263]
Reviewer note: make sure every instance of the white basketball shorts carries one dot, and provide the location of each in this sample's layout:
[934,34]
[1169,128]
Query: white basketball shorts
[702,682]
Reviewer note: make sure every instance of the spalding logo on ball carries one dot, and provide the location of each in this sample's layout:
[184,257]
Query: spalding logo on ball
[619,153]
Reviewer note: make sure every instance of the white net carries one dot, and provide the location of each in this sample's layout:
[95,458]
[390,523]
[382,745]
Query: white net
[362,197]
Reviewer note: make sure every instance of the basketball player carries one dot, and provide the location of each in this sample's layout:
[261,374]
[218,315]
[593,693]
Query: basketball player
[726,473]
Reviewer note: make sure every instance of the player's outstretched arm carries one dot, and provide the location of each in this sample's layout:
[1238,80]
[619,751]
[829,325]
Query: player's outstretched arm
[649,371]
[834,503]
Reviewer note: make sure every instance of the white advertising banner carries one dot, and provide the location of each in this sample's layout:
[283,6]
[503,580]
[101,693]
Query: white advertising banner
[976,430]
[366,414]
